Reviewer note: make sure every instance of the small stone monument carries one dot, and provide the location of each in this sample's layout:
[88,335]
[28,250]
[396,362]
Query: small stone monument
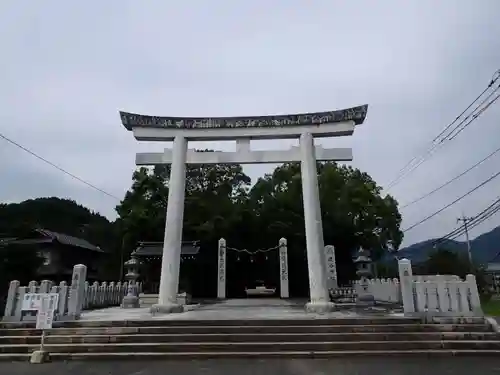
[131,300]
[363,265]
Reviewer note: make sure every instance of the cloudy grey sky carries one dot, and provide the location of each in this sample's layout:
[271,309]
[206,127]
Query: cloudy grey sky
[68,67]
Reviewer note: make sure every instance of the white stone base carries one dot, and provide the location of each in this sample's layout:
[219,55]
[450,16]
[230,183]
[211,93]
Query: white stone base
[320,307]
[166,309]
[147,300]
[130,302]
[39,356]
[365,300]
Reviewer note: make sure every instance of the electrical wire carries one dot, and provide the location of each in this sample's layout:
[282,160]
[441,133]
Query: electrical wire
[402,170]
[482,216]
[56,166]
[450,136]
[476,220]
[471,226]
[452,203]
[438,140]
[452,180]
[481,111]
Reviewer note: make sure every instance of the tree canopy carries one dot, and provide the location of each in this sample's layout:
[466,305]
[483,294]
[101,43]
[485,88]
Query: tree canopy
[63,216]
[220,202]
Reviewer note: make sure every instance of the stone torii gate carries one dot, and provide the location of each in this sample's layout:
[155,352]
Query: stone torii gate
[244,129]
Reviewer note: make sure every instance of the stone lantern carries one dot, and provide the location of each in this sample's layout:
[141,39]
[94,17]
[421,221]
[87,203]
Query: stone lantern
[364,271]
[131,300]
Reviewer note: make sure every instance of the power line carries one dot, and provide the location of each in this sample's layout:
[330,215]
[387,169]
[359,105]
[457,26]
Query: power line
[452,203]
[452,180]
[419,159]
[481,111]
[402,170]
[494,78]
[482,216]
[476,220]
[56,166]
[450,136]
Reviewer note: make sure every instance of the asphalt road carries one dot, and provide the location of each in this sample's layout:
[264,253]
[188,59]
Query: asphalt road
[356,366]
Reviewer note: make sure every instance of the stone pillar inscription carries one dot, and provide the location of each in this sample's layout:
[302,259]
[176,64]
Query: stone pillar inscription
[406,284]
[221,271]
[283,253]
[77,294]
[331,267]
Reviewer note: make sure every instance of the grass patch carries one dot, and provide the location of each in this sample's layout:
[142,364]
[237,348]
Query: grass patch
[492,307]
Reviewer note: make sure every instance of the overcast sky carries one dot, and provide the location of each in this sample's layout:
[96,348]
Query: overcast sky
[68,67]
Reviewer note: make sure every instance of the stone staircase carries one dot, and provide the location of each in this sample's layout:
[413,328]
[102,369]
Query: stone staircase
[197,339]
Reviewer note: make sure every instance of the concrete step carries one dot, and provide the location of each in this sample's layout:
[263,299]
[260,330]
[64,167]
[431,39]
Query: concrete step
[188,347]
[267,354]
[257,355]
[158,338]
[249,337]
[320,328]
[216,322]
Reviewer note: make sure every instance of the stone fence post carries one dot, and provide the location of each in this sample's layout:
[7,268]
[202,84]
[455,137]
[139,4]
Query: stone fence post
[10,305]
[406,284]
[331,267]
[283,255]
[77,293]
[221,271]
[474,295]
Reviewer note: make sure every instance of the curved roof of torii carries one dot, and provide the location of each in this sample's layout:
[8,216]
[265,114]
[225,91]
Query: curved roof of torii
[133,120]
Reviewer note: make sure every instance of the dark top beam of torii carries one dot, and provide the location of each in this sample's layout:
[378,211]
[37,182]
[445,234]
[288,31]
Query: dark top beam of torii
[134,120]
[319,124]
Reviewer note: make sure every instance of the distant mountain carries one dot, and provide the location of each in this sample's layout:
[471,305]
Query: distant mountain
[485,248]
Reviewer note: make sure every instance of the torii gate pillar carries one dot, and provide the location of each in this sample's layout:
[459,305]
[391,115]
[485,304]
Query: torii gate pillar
[320,298]
[171,259]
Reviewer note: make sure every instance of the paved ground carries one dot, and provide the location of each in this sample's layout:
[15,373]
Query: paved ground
[355,366]
[252,308]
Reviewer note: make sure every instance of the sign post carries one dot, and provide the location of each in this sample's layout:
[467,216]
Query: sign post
[46,304]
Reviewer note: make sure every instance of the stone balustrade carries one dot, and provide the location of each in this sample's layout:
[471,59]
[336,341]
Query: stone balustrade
[17,293]
[442,297]
[343,294]
[100,295]
[73,299]
[382,290]
[428,295]
[436,277]
[438,295]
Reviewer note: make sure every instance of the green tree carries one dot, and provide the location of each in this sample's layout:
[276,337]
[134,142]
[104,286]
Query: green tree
[59,215]
[213,195]
[445,262]
[16,264]
[220,203]
[353,211]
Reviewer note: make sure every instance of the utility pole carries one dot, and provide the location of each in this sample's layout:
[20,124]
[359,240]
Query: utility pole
[466,220]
